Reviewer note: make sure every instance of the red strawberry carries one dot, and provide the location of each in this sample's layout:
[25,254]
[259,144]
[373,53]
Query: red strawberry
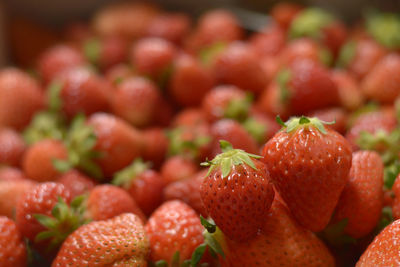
[338,115]
[20,98]
[237,192]
[172,27]
[261,126]
[155,146]
[350,94]
[57,59]
[226,101]
[396,199]
[76,182]
[284,13]
[382,83]
[281,242]
[107,201]
[38,160]
[190,81]
[188,191]
[384,250]
[239,65]
[10,193]
[120,241]
[143,184]
[12,147]
[174,227]
[309,165]
[136,100]
[234,133]
[269,41]
[80,91]
[11,174]
[178,168]
[361,201]
[118,73]
[189,117]
[12,247]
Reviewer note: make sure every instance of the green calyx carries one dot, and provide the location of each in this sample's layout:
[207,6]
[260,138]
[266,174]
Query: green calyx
[334,234]
[45,125]
[238,109]
[325,57]
[80,142]
[179,145]
[228,158]
[92,50]
[384,28]
[346,54]
[303,122]
[282,79]
[55,102]
[309,23]
[256,129]
[126,176]
[390,174]
[208,54]
[64,220]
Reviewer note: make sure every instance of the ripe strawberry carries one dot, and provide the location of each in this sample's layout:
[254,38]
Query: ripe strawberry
[384,250]
[309,166]
[189,117]
[173,227]
[284,13]
[226,101]
[116,74]
[11,174]
[396,199]
[261,126]
[165,113]
[360,56]
[237,192]
[12,247]
[234,133]
[281,242]
[190,81]
[58,59]
[361,201]
[120,241]
[188,191]
[269,41]
[136,100]
[382,83]
[153,57]
[38,160]
[177,168]
[107,201]
[350,94]
[20,98]
[143,184]
[76,182]
[10,193]
[80,91]
[172,27]
[239,65]
[12,147]
[338,115]
[155,146]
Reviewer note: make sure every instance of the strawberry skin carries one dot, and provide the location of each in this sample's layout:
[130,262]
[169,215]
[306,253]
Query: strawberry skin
[384,250]
[173,227]
[361,201]
[155,145]
[237,192]
[12,147]
[120,241]
[12,246]
[76,182]
[10,193]
[172,27]
[177,168]
[309,167]
[11,174]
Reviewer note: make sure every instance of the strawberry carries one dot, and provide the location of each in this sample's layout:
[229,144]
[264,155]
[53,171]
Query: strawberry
[320,25]
[20,98]
[382,83]
[136,100]
[190,81]
[12,147]
[269,41]
[360,56]
[338,115]
[80,91]
[165,113]
[173,227]
[361,201]
[261,126]
[226,101]
[58,59]
[239,65]
[77,32]
[120,241]
[376,21]
[76,182]
[234,133]
[153,57]
[298,157]
[38,160]
[11,174]
[177,168]
[143,184]
[396,199]
[189,117]
[10,193]
[383,251]
[284,13]
[173,27]
[281,242]
[107,201]
[237,192]
[116,74]
[12,247]
[188,191]
[155,146]
[350,94]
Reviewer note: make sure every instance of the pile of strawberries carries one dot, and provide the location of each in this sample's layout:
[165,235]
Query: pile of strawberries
[144,139]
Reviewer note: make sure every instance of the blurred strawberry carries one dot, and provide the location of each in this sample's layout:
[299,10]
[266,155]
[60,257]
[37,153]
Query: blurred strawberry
[261,126]
[76,182]
[189,117]
[12,147]
[269,41]
[284,13]
[155,145]
[116,74]
[173,27]
[350,94]
[13,250]
[10,193]
[177,168]
[337,115]
[11,174]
